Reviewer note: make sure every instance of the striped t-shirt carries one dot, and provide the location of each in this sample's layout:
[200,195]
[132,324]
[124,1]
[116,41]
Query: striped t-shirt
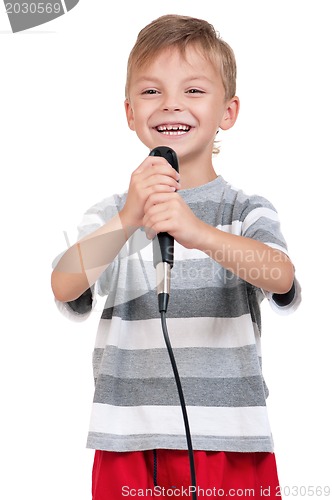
[214,324]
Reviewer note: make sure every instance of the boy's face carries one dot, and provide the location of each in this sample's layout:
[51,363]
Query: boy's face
[179,102]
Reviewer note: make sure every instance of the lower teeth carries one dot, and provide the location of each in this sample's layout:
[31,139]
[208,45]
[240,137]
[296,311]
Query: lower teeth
[173,132]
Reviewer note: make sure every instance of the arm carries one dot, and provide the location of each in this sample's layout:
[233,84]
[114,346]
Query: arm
[250,259]
[82,264]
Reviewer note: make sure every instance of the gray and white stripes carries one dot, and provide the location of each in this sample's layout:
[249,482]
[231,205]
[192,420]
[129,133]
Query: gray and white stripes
[214,325]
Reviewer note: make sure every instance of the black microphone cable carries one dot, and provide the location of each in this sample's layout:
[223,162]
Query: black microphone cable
[182,402]
[163,248]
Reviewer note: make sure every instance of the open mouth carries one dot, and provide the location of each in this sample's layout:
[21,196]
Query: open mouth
[177,129]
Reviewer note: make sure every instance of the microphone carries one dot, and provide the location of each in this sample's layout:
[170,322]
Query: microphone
[163,243]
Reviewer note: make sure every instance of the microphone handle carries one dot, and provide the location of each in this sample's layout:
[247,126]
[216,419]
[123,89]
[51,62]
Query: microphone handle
[163,246]
[163,249]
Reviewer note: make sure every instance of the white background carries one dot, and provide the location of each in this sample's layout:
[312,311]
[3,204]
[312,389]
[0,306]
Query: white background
[65,145]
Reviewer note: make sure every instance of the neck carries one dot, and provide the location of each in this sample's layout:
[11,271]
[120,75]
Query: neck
[194,174]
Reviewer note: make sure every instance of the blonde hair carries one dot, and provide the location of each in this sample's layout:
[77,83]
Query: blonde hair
[180,31]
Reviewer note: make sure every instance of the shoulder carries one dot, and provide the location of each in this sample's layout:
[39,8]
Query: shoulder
[108,205]
[242,203]
[99,213]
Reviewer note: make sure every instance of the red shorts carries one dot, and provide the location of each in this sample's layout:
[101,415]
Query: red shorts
[166,473]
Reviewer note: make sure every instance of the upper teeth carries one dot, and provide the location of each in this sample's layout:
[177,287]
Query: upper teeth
[162,128]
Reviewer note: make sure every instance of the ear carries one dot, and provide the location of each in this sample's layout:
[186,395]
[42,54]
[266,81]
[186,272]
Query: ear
[129,115]
[231,113]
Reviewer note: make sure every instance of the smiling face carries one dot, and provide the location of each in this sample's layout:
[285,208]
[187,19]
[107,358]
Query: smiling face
[179,102]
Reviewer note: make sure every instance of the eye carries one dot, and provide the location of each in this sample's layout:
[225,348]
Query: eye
[195,91]
[150,92]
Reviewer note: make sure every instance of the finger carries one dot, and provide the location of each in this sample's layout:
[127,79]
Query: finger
[154,183]
[150,233]
[159,227]
[156,213]
[157,164]
[156,199]
[150,161]
[160,178]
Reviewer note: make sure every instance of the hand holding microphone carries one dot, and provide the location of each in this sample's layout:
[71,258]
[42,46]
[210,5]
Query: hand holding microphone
[170,217]
[152,203]
[154,176]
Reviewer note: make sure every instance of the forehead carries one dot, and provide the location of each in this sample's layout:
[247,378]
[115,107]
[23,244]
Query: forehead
[191,60]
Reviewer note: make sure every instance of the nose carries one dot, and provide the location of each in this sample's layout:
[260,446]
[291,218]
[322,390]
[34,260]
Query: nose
[172,103]
[171,107]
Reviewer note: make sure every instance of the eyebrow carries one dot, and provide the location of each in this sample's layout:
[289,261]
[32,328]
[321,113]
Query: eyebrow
[193,78]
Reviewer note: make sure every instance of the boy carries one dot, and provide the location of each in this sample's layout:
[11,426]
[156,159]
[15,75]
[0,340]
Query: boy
[229,255]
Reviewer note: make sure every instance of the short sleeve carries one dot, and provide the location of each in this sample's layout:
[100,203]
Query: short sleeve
[96,216]
[260,221]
